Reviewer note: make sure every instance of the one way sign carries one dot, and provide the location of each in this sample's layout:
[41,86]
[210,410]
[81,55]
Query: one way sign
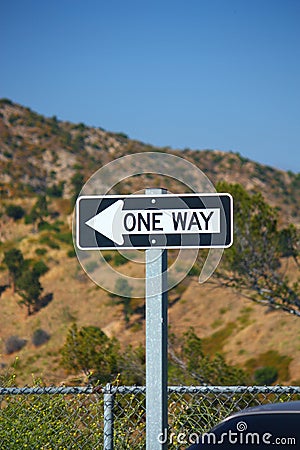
[161,221]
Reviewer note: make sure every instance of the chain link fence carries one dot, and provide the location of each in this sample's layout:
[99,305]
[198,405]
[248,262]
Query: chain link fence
[114,417]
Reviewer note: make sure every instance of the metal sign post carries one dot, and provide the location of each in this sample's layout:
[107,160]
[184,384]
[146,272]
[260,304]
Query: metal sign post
[156,344]
[155,222]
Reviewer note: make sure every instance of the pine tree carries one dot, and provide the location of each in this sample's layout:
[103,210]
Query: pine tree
[29,288]
[90,351]
[14,261]
[252,264]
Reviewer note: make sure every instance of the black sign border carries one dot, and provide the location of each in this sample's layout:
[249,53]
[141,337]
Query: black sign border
[170,241]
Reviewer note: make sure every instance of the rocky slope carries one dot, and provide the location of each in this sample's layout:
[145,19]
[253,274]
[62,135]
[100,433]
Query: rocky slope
[38,154]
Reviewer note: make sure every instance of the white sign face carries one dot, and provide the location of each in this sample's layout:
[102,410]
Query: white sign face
[163,221]
[114,222]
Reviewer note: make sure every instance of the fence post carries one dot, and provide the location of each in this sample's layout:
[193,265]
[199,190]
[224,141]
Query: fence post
[108,441]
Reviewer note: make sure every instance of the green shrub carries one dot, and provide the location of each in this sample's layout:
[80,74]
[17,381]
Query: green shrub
[119,259]
[50,422]
[65,237]
[7,154]
[40,268]
[6,101]
[43,225]
[107,256]
[88,348]
[30,218]
[80,126]
[13,118]
[56,190]
[265,375]
[71,253]
[16,212]
[40,337]
[78,143]
[194,271]
[122,135]
[46,240]
[91,266]
[14,344]
[40,251]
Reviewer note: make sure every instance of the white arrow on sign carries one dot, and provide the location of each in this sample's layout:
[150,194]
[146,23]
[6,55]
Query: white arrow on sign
[114,222]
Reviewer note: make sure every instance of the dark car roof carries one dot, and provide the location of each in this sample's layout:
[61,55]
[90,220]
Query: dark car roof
[292,407]
[267,410]
[286,407]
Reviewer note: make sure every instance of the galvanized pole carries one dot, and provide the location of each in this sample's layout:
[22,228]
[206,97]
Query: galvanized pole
[156,344]
[108,432]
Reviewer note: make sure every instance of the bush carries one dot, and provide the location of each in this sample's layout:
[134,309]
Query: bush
[91,266]
[40,268]
[89,349]
[46,226]
[71,253]
[194,271]
[13,344]
[41,251]
[56,190]
[122,135]
[40,337]
[16,212]
[30,218]
[7,154]
[29,288]
[6,101]
[265,375]
[51,421]
[13,118]
[65,237]
[107,256]
[119,259]
[46,240]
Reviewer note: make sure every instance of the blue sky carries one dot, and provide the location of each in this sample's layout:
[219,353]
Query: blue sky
[217,74]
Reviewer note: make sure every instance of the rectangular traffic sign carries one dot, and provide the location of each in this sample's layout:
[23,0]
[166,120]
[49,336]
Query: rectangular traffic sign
[154,221]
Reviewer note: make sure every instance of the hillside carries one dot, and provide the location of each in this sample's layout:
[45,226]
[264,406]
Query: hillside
[37,153]
[41,155]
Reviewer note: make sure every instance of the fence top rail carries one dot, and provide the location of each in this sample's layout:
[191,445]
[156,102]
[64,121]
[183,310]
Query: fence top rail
[111,389]
[51,390]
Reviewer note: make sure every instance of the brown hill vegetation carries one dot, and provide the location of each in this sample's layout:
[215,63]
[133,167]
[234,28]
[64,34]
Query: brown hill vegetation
[41,155]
